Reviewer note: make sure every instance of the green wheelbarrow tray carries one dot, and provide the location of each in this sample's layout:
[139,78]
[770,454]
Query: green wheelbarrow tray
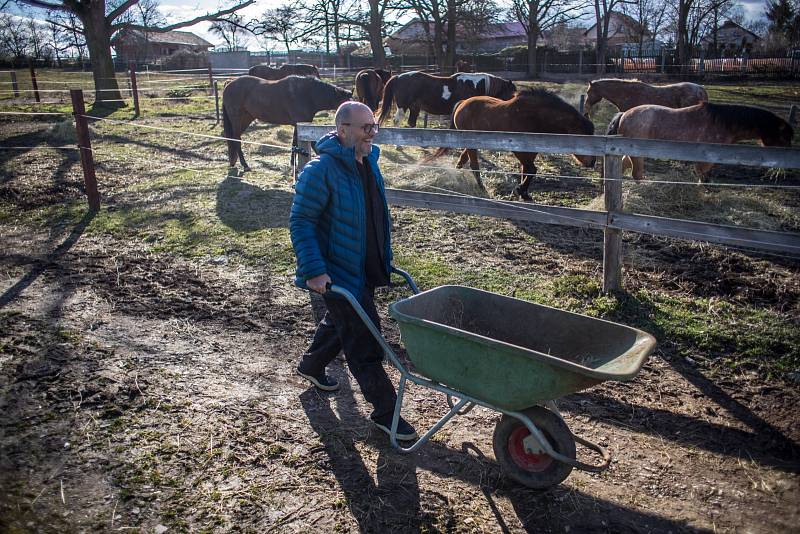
[511,356]
[511,353]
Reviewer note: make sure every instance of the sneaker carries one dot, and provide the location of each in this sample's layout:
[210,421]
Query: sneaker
[405,432]
[322,381]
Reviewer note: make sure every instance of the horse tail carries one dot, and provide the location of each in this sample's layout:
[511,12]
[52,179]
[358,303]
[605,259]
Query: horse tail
[227,129]
[613,126]
[386,102]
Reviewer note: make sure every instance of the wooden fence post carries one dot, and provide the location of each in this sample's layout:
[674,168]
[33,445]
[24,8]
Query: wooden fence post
[216,99]
[14,85]
[580,62]
[35,85]
[304,154]
[134,89]
[663,59]
[85,148]
[210,81]
[612,238]
[582,103]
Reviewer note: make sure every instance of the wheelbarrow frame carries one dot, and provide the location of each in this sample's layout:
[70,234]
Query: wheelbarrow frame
[535,443]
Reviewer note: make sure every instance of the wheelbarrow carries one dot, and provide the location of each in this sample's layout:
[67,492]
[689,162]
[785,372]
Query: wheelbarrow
[514,357]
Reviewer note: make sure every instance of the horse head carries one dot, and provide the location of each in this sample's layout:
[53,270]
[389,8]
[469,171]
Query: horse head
[592,98]
[507,89]
[781,135]
[588,129]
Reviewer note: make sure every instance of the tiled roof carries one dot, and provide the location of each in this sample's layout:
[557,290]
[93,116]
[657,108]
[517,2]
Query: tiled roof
[172,37]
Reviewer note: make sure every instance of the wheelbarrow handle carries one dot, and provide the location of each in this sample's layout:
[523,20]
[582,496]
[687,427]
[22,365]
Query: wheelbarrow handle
[409,280]
[359,309]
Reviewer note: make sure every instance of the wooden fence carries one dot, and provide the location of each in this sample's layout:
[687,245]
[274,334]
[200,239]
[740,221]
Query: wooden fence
[613,221]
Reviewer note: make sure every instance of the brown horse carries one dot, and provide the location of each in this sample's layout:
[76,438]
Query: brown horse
[288,101]
[462,65]
[627,94]
[265,72]
[369,86]
[533,111]
[701,123]
[438,95]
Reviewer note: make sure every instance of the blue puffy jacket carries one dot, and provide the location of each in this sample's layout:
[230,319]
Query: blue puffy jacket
[328,217]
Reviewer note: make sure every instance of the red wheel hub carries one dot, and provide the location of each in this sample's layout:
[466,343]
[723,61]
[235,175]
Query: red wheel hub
[525,460]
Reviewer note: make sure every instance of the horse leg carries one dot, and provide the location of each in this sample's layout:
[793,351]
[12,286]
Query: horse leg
[398,117]
[412,117]
[703,169]
[243,124]
[626,164]
[638,168]
[473,164]
[528,172]
[463,159]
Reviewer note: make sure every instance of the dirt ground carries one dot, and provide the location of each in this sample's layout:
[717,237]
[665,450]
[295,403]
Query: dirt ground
[148,391]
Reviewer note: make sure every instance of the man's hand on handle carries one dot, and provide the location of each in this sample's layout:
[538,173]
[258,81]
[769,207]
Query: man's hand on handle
[319,283]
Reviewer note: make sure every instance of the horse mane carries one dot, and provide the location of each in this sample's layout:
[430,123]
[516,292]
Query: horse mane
[616,80]
[736,116]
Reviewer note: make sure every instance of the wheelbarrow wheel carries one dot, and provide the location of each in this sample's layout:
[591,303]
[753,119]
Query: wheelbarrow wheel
[538,471]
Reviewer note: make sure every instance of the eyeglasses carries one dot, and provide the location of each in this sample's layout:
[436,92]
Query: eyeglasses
[368,128]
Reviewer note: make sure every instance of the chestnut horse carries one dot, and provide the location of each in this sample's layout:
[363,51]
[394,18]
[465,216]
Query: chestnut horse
[701,123]
[438,95]
[288,101]
[531,110]
[265,72]
[627,94]
[369,84]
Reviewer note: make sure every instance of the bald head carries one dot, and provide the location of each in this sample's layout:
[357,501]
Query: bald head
[348,110]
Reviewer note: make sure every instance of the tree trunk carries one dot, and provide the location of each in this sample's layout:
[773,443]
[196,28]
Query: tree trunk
[450,59]
[683,34]
[533,38]
[98,41]
[376,34]
[438,44]
[600,49]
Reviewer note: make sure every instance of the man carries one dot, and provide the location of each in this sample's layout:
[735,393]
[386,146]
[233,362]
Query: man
[340,229]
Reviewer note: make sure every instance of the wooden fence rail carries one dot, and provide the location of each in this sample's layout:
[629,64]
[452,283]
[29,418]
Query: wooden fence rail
[612,221]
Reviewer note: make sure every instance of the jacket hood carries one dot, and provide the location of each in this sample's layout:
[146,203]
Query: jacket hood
[329,144]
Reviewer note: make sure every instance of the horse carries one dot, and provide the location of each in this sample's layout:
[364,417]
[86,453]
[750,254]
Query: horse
[530,110]
[265,72]
[369,84]
[627,94]
[462,65]
[702,123]
[438,95]
[287,101]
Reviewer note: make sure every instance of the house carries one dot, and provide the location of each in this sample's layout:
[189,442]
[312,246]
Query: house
[413,39]
[730,36]
[622,29]
[140,47]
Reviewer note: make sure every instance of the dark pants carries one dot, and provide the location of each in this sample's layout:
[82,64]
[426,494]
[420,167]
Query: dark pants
[342,329]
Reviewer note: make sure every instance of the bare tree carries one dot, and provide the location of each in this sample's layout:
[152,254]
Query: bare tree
[58,41]
[694,18]
[537,16]
[650,16]
[37,39]
[603,10]
[283,23]
[231,30]
[14,38]
[100,20]
[72,31]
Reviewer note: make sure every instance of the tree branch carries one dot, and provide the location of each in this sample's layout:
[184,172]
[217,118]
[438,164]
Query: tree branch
[122,8]
[68,28]
[46,5]
[161,29]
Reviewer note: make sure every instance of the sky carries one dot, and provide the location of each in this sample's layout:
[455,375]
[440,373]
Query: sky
[176,10]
